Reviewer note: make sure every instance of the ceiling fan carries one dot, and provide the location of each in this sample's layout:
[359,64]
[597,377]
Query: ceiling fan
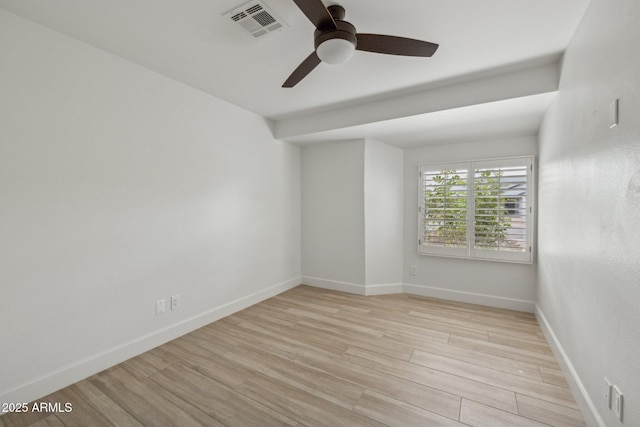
[336,40]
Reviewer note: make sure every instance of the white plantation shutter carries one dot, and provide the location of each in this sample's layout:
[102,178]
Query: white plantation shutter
[502,210]
[477,209]
[444,209]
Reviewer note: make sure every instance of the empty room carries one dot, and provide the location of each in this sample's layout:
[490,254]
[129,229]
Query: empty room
[320,213]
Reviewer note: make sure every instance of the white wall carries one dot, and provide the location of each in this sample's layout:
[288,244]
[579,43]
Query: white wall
[383,190]
[496,284]
[119,187]
[589,208]
[333,251]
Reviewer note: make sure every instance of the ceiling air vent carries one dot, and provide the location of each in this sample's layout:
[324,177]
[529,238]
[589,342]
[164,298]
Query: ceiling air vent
[256,18]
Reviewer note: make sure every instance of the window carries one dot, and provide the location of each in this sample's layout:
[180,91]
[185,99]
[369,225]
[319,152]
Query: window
[478,209]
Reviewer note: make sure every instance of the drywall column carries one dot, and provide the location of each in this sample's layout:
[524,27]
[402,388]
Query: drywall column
[352,216]
[383,208]
[333,253]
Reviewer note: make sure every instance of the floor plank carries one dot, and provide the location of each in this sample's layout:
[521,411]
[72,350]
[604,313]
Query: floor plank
[225,405]
[50,421]
[151,405]
[331,388]
[549,413]
[443,381]
[393,412]
[302,405]
[479,358]
[553,376]
[522,355]
[93,408]
[317,357]
[479,415]
[23,419]
[495,378]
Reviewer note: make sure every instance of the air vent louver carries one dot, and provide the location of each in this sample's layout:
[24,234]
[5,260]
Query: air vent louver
[256,18]
[239,16]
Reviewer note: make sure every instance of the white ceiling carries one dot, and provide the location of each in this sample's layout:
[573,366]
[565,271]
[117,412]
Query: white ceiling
[190,41]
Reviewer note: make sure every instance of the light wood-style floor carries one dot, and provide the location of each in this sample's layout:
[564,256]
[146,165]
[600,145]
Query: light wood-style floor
[321,358]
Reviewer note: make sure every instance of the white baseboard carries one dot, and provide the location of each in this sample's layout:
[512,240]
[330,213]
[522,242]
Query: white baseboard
[588,409]
[44,385]
[470,297]
[353,288]
[427,291]
[384,289]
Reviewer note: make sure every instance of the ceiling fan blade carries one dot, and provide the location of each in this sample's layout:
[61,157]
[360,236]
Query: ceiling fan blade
[303,69]
[317,13]
[393,45]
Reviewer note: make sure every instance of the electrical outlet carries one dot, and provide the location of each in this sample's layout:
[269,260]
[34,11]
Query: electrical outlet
[413,270]
[160,306]
[607,392]
[175,302]
[618,401]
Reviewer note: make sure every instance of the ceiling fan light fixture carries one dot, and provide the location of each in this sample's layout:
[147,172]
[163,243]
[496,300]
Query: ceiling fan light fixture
[335,40]
[335,51]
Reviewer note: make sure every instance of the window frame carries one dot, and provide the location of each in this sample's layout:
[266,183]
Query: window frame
[470,251]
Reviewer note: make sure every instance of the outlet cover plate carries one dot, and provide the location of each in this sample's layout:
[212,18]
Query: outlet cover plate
[175,302]
[618,402]
[606,392]
[160,306]
[613,114]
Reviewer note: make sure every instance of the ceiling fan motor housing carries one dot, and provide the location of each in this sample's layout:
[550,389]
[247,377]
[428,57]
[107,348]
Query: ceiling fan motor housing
[344,31]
